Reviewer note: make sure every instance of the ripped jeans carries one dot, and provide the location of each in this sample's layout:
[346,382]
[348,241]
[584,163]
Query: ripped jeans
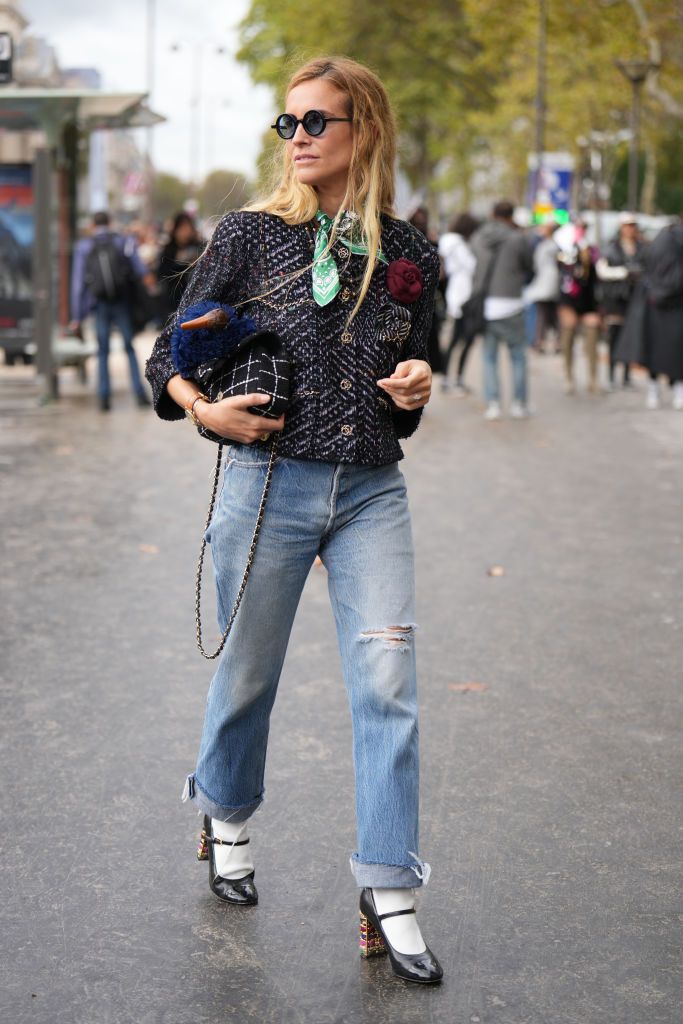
[357,519]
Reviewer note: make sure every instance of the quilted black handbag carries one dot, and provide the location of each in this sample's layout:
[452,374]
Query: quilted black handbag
[258,363]
[243,361]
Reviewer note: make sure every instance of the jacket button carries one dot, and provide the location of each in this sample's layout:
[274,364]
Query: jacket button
[346,294]
[346,337]
[346,429]
[346,384]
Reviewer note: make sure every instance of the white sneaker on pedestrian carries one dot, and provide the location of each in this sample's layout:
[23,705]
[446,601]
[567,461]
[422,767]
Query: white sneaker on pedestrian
[518,411]
[677,402]
[459,390]
[492,411]
[652,397]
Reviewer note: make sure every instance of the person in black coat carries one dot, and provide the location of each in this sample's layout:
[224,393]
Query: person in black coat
[183,249]
[653,330]
[618,271]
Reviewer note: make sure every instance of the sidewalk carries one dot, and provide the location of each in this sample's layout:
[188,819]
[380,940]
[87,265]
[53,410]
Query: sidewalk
[550,729]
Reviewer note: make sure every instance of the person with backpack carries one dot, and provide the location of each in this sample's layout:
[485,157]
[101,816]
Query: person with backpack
[104,272]
[653,330]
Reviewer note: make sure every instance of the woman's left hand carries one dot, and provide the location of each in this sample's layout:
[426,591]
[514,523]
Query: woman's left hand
[410,385]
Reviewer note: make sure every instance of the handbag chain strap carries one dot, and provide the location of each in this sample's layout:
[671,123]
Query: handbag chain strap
[250,556]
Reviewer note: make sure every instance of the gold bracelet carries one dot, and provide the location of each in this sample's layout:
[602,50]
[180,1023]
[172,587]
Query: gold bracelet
[189,409]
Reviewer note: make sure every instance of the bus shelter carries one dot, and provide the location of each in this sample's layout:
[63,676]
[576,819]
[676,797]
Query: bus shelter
[38,211]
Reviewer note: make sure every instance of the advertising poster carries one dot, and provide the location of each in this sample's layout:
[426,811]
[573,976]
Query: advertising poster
[16,247]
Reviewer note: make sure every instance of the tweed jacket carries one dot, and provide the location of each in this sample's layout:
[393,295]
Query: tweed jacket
[337,412]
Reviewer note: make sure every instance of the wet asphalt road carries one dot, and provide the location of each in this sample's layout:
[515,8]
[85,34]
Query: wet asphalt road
[550,730]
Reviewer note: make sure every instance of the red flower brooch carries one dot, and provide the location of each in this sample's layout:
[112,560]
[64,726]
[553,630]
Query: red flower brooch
[404,280]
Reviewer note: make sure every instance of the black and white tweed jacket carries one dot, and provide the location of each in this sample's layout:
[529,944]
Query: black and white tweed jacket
[337,413]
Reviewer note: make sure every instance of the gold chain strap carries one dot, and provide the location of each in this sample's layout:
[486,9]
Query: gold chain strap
[250,557]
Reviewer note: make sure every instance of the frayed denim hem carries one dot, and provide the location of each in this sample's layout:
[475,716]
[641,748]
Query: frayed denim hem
[194,792]
[390,876]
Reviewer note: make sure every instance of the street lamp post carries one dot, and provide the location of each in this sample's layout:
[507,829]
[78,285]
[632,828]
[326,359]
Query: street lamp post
[196,107]
[540,102]
[149,83]
[636,71]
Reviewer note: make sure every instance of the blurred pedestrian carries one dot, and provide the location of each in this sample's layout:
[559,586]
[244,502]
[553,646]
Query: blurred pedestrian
[618,270]
[504,267]
[350,290]
[544,288]
[578,306]
[183,249]
[459,263]
[142,298]
[420,220]
[105,266]
[652,334]
[147,243]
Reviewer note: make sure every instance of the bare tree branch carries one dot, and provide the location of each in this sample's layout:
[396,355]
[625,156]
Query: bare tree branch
[669,103]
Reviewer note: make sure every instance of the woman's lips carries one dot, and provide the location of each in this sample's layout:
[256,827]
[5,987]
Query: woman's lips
[304,159]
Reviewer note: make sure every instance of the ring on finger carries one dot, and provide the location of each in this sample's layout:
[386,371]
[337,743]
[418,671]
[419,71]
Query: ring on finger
[264,437]
[417,398]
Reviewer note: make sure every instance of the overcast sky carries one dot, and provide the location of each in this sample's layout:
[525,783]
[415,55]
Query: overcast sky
[112,38]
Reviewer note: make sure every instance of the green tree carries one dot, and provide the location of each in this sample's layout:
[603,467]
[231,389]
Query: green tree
[424,56]
[462,75]
[586,92]
[168,195]
[222,191]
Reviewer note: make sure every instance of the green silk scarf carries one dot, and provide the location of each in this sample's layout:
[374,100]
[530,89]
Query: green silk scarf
[325,272]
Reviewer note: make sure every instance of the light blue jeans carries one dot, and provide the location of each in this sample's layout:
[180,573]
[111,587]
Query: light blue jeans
[357,518]
[512,331]
[108,315]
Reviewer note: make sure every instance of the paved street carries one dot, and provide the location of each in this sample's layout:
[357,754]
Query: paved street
[550,730]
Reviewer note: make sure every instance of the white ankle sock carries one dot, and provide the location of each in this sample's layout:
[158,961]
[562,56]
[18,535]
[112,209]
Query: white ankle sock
[402,932]
[232,861]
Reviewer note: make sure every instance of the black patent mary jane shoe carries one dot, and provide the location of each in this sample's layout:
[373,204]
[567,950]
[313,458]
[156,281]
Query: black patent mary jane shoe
[422,968]
[240,891]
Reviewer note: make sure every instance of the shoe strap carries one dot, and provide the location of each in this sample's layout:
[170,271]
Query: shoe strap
[225,842]
[396,913]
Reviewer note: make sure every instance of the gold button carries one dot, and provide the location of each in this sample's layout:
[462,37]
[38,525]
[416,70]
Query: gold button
[346,429]
[346,337]
[346,384]
[346,294]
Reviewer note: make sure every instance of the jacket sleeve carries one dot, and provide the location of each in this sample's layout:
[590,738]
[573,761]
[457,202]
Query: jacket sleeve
[405,422]
[219,276]
[79,308]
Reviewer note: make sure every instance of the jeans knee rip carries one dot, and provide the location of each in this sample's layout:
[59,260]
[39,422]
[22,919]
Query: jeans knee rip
[394,638]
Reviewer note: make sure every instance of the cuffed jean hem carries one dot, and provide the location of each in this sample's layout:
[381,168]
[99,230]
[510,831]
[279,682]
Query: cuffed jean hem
[194,792]
[390,876]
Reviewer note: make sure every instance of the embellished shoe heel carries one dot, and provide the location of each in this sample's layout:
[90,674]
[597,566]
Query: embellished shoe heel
[371,942]
[203,848]
[423,967]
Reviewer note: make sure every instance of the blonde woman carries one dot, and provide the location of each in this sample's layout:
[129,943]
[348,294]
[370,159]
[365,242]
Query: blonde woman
[350,289]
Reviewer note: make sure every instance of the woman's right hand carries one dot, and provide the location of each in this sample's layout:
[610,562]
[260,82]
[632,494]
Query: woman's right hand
[230,418]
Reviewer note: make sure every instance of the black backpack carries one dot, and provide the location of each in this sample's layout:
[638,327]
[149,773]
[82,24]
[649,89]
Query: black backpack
[108,271]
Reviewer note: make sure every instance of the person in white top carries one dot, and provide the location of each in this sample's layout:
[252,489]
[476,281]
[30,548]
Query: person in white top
[459,264]
[544,289]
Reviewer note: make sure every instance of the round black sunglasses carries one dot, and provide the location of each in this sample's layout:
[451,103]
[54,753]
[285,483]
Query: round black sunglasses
[313,121]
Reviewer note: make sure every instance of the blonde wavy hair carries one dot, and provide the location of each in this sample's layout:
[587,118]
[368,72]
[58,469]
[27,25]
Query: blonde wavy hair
[370,185]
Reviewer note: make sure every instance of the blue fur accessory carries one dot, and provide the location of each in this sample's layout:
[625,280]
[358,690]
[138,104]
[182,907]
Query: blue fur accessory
[190,349]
